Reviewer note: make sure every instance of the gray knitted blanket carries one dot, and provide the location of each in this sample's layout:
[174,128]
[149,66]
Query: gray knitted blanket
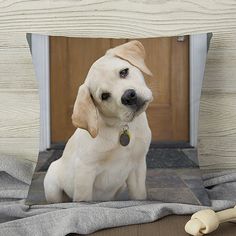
[16,218]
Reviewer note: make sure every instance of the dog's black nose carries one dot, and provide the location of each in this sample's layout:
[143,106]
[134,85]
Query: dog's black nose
[129,97]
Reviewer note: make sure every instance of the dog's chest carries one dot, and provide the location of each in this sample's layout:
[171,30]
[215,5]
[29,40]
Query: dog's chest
[114,160]
[115,167]
[113,174]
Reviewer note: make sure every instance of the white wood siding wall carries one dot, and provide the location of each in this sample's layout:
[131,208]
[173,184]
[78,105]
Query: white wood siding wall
[19,101]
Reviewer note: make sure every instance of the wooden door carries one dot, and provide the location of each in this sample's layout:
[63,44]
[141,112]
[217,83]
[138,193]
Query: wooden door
[168,114]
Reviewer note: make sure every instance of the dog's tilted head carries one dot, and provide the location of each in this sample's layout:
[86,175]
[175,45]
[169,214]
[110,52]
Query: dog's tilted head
[115,87]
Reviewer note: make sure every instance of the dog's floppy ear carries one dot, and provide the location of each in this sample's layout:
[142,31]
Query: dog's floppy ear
[133,52]
[85,113]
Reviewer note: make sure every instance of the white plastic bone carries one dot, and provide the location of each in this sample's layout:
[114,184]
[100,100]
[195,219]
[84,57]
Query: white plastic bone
[206,221]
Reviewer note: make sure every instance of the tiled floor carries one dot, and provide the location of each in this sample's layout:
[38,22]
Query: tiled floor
[156,158]
[173,176]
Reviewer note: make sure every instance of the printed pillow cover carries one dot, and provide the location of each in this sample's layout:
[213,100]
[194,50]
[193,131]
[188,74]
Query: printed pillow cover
[120,123]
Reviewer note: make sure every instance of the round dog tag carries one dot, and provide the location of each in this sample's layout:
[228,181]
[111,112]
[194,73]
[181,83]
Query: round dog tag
[124,138]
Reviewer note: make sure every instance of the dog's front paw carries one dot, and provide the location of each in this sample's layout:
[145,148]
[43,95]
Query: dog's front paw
[82,198]
[139,195]
[142,196]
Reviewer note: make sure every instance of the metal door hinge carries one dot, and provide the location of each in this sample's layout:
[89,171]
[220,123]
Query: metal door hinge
[181,38]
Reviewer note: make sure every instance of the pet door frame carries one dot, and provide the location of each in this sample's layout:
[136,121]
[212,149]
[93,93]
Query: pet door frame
[40,57]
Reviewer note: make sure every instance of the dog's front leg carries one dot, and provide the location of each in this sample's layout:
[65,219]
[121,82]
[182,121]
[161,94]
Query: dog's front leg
[136,182]
[83,185]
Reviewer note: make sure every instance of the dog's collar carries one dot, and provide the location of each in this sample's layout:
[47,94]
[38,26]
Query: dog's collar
[125,136]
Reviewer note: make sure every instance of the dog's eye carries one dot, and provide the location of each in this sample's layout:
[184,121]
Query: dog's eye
[105,96]
[123,73]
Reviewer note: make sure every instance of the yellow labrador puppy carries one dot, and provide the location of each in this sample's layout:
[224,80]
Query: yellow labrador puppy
[107,152]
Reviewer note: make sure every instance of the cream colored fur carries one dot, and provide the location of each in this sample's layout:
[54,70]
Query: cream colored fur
[94,165]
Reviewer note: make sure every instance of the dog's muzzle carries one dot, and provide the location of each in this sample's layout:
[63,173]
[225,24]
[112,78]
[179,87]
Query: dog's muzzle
[131,100]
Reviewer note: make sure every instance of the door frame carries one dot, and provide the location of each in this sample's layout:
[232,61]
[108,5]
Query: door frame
[197,60]
[40,57]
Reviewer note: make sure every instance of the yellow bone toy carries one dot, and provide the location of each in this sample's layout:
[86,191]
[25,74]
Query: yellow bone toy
[206,221]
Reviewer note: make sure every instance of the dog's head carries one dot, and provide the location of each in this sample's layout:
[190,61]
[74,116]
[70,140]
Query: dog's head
[115,87]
